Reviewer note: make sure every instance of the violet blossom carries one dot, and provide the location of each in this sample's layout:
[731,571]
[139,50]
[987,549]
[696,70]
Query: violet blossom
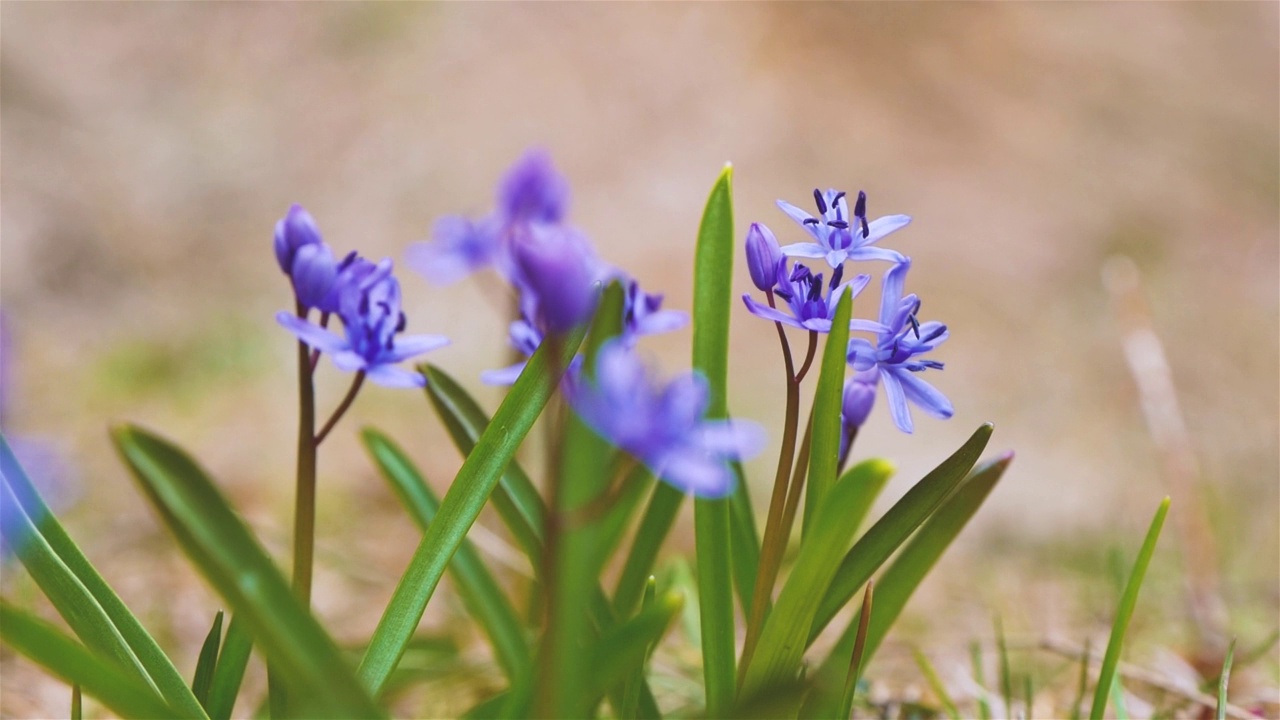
[840,237]
[662,425]
[807,306]
[896,356]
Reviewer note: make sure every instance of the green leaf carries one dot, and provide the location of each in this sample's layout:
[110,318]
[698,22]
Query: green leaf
[865,499]
[984,704]
[658,518]
[515,498]
[229,672]
[1223,680]
[745,539]
[225,552]
[856,662]
[207,661]
[784,637]
[70,570]
[1129,600]
[824,453]
[463,502]
[480,592]
[712,300]
[45,645]
[893,529]
[935,684]
[618,653]
[1006,677]
[909,569]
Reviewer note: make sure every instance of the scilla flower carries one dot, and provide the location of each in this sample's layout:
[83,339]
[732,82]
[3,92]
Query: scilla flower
[662,426]
[808,307]
[839,237]
[897,354]
[372,320]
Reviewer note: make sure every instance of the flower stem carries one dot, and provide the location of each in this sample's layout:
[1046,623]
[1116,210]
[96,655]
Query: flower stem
[342,408]
[808,358]
[774,542]
[304,516]
[797,480]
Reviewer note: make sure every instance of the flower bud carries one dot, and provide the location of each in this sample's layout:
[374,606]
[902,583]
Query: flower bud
[560,274]
[859,397]
[296,229]
[533,190]
[314,273]
[764,257]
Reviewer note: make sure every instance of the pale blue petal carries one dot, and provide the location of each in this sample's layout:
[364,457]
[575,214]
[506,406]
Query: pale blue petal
[349,361]
[862,354]
[769,313]
[805,250]
[799,216]
[407,346]
[695,472]
[316,337]
[897,399]
[662,321]
[867,252]
[871,326]
[926,396]
[880,228]
[891,291]
[505,376]
[738,439]
[394,377]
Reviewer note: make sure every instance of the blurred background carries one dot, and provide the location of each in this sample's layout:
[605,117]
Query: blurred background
[148,150]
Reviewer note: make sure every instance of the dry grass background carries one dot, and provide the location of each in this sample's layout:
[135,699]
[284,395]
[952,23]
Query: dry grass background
[149,148]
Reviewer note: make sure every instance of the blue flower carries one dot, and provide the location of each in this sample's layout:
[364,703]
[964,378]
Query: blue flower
[368,302]
[532,192]
[808,307]
[897,354]
[662,426]
[840,237]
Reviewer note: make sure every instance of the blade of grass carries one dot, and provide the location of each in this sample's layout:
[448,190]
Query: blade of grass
[515,498]
[745,538]
[619,652]
[1028,696]
[659,516]
[226,553]
[1117,699]
[935,683]
[1220,712]
[229,672]
[891,530]
[480,592]
[712,300]
[1083,682]
[783,638]
[824,452]
[855,662]
[984,706]
[207,661]
[458,510]
[159,669]
[631,697]
[49,648]
[1127,603]
[77,710]
[1006,677]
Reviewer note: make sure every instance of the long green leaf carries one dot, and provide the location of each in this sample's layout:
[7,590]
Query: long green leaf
[893,529]
[226,553]
[616,654]
[229,672]
[159,669]
[784,636]
[745,538]
[907,571]
[655,524]
[48,647]
[515,498]
[207,662]
[1224,679]
[1128,601]
[824,452]
[480,592]
[461,506]
[712,290]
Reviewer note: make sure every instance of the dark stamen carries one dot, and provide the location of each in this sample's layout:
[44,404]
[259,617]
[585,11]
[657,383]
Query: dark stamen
[839,196]
[346,261]
[837,276]
[401,323]
[784,294]
[838,224]
[364,305]
[915,325]
[865,230]
[810,221]
[815,287]
[860,207]
[822,203]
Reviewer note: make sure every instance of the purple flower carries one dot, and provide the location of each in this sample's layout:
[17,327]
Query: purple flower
[372,343]
[896,354]
[524,339]
[295,230]
[532,192]
[556,273]
[840,237]
[808,307]
[642,314]
[764,257]
[663,426]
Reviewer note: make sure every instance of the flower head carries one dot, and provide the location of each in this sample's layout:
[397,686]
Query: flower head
[663,426]
[532,192]
[368,302]
[295,230]
[838,236]
[897,354]
[556,272]
[642,314]
[808,306]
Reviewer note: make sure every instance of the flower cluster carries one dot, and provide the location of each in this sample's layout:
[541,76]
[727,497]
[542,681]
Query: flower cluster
[901,339]
[364,295]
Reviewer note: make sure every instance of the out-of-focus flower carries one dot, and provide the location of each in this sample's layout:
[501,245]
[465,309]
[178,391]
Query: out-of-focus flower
[524,339]
[764,257]
[662,426]
[840,237]
[532,192]
[808,307]
[897,354]
[642,314]
[295,230]
[557,274]
[372,320]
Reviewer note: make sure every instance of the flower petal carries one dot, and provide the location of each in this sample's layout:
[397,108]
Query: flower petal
[804,250]
[897,399]
[738,439]
[925,395]
[504,376]
[407,346]
[350,361]
[316,337]
[881,227]
[862,354]
[800,217]
[695,472]
[768,313]
[891,291]
[875,253]
[662,321]
[392,376]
